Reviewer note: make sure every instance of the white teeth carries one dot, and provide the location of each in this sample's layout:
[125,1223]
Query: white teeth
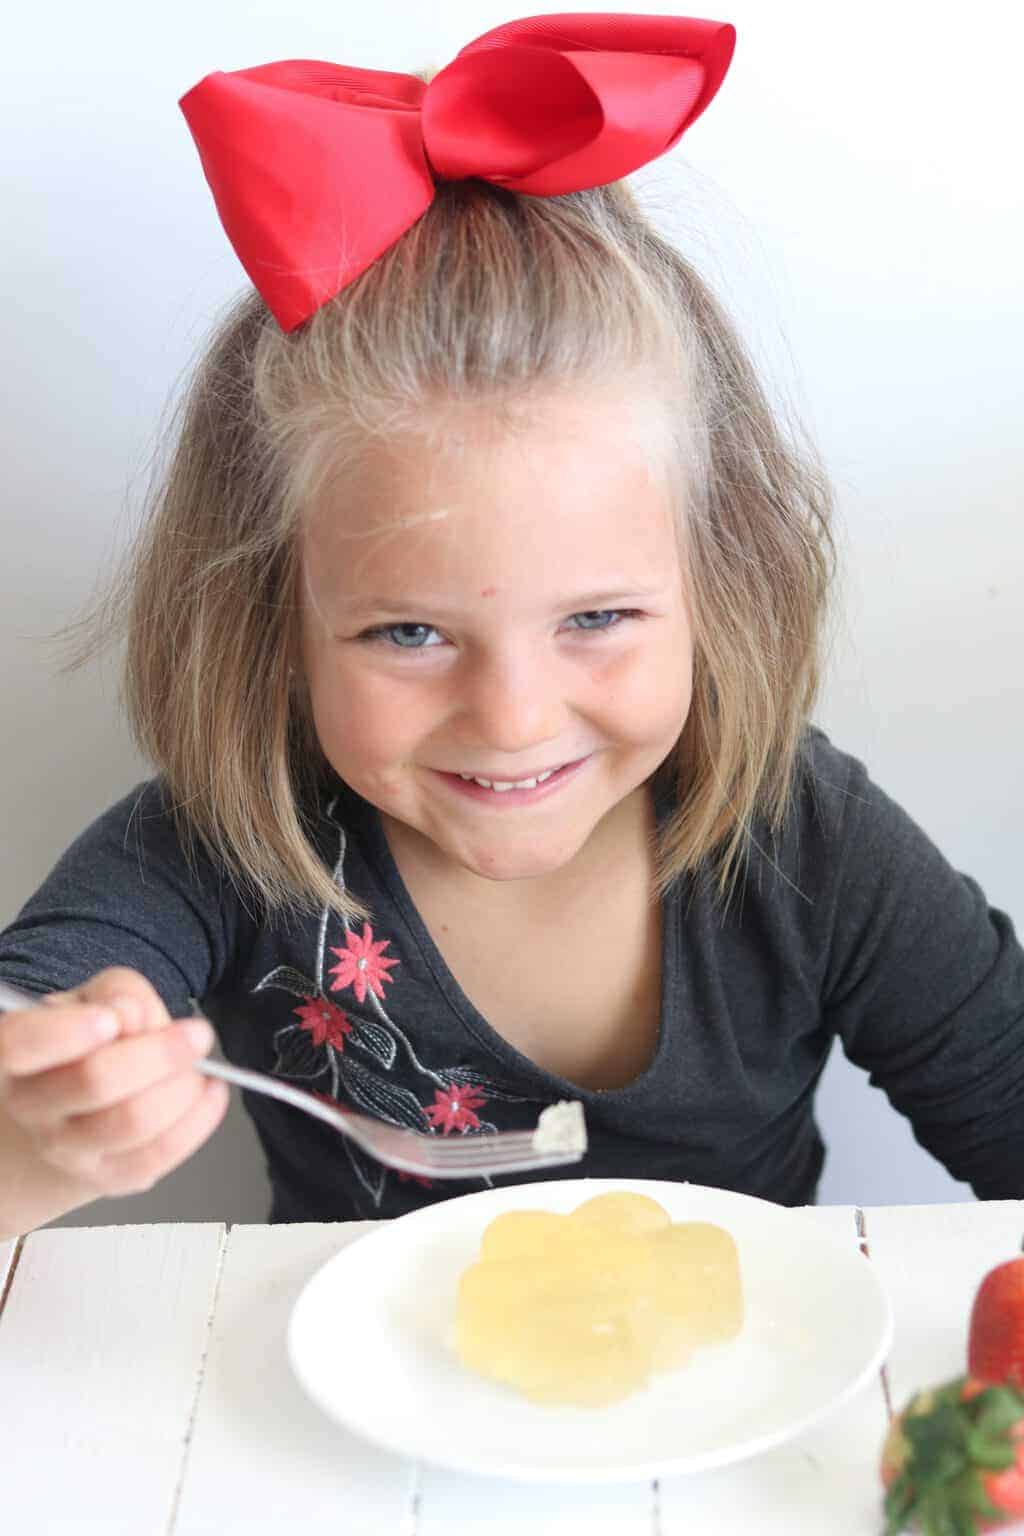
[501,785]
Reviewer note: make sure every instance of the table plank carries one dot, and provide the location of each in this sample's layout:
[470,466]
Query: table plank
[455,1501]
[931,1259]
[263,1457]
[101,1343]
[821,1484]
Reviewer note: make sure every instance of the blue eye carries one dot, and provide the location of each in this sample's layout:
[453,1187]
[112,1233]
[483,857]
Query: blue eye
[596,618]
[411,637]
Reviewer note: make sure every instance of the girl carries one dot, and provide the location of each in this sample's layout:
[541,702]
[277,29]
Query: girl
[475,642]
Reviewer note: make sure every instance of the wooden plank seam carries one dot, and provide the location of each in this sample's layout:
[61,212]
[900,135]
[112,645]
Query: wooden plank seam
[200,1378]
[862,1233]
[415,1498]
[19,1243]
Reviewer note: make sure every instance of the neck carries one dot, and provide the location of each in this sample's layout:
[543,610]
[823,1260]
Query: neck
[621,846]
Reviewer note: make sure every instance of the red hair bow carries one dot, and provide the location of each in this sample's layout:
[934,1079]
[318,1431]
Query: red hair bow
[317,169]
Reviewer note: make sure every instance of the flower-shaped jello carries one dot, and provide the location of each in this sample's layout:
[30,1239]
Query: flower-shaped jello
[584,1308]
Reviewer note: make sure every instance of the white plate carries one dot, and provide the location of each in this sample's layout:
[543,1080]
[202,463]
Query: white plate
[370,1341]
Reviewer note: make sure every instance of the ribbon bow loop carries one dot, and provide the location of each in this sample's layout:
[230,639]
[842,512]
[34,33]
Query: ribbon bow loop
[317,169]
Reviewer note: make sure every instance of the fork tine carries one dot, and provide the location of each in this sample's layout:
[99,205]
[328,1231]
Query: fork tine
[494,1155]
[444,1168]
[493,1148]
[501,1157]
[492,1167]
[484,1146]
[468,1155]
[474,1156]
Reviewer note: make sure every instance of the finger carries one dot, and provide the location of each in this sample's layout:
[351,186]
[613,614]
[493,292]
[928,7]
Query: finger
[131,1173]
[107,1075]
[133,998]
[80,1141]
[32,1043]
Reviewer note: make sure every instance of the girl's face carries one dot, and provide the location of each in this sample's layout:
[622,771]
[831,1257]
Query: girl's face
[507,607]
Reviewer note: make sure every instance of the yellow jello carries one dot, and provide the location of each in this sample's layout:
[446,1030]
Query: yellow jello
[584,1308]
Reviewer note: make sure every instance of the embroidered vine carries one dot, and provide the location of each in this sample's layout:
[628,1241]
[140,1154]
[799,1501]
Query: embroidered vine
[355,1047]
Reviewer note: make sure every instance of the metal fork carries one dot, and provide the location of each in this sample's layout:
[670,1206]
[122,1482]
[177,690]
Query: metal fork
[563,1139]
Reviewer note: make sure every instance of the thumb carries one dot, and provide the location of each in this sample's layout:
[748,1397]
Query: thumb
[135,1001]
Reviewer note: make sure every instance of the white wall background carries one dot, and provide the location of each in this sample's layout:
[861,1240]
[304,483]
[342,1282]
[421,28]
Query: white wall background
[855,195]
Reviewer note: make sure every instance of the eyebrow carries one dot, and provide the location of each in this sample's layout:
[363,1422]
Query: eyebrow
[575,603]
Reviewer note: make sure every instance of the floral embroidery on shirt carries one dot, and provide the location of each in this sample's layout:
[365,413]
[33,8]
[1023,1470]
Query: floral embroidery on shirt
[356,1047]
[453,1109]
[362,964]
[325,1022]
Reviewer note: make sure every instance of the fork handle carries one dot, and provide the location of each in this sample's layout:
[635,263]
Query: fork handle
[259,1082]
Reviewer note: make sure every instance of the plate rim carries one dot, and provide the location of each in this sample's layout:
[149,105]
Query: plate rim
[528,1471]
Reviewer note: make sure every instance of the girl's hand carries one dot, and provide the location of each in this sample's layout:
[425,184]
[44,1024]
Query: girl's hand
[97,1097]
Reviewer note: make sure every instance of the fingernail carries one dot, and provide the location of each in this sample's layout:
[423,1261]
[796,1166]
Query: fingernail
[129,1009]
[105,1025]
[199,1035]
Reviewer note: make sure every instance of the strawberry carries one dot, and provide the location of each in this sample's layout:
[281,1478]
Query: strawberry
[995,1343]
[953,1460]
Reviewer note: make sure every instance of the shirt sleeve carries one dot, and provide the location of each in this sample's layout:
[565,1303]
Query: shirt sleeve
[124,894]
[924,984]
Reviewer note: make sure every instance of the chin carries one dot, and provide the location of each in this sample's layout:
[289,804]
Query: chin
[515,864]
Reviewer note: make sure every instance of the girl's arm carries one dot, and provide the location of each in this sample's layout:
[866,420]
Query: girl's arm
[925,986]
[123,894]
[121,914]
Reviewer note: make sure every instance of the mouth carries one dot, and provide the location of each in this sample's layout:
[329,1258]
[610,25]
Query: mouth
[513,791]
[502,786]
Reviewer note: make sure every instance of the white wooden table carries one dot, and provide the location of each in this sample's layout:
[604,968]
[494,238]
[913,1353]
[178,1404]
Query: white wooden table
[144,1388]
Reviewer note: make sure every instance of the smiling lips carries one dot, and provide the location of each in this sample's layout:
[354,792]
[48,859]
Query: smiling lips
[501,785]
[511,786]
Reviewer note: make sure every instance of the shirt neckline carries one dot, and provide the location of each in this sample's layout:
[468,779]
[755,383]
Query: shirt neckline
[465,1010]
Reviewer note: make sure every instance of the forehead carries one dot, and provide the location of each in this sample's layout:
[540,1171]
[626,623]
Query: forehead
[563,487]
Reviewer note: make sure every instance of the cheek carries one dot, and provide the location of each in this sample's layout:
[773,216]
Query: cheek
[646,694]
[363,718]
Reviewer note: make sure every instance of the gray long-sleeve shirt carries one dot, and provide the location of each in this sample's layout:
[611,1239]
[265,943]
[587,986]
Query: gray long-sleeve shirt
[851,924]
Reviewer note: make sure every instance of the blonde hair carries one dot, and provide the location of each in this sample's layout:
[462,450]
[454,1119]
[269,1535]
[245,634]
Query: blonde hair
[489,297]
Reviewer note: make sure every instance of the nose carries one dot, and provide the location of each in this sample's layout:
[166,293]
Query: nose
[514,702]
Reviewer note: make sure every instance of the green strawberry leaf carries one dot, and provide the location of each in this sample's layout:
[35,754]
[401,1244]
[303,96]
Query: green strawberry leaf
[951,1444]
[938,1443]
[947,1511]
[899,1503]
[986,1452]
[997,1409]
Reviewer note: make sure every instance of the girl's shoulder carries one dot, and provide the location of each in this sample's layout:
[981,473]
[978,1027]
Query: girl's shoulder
[139,829]
[829,785]
[836,799]
[844,842]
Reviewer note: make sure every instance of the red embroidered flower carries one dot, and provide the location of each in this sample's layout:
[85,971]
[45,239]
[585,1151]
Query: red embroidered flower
[414,1178]
[452,1109]
[362,964]
[325,1021]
